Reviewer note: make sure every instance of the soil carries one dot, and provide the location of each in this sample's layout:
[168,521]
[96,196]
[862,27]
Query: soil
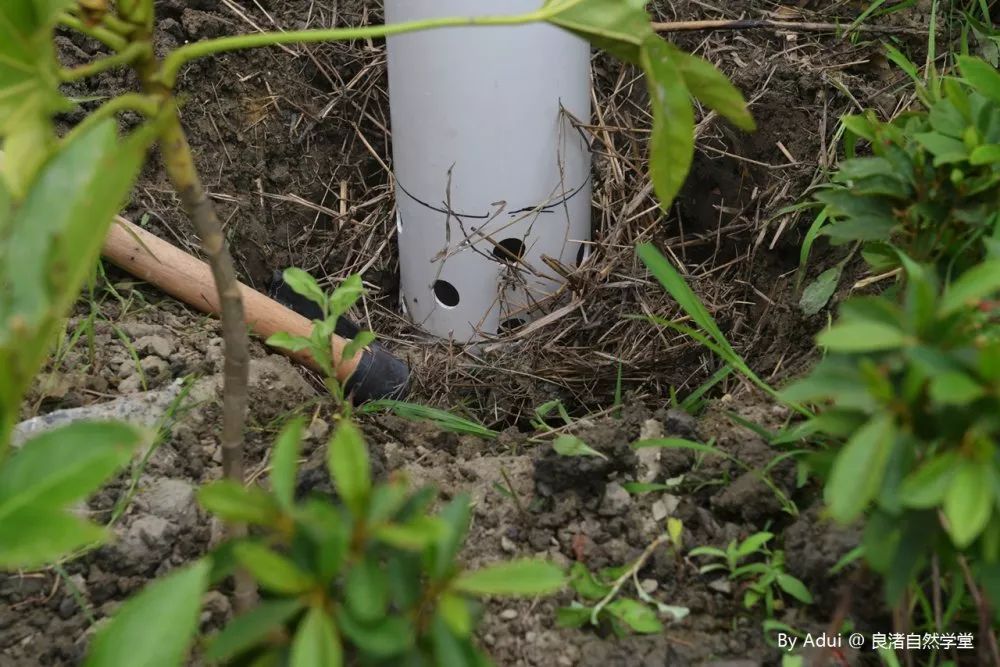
[293,146]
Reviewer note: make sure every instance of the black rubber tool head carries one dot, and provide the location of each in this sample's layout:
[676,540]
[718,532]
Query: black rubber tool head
[379,374]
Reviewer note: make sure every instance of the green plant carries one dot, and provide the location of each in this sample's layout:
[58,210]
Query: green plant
[764,579]
[375,572]
[603,593]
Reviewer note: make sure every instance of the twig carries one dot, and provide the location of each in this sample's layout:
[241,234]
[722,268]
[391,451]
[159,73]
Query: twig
[620,581]
[766,24]
[983,607]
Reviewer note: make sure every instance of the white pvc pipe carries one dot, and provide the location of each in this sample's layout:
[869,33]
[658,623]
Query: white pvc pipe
[484,146]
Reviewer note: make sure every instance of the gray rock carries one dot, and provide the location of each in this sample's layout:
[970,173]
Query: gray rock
[171,499]
[145,538]
[158,345]
[616,500]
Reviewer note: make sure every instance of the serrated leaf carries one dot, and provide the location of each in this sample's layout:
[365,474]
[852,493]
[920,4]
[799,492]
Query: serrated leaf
[316,642]
[671,145]
[969,502]
[273,571]
[347,460]
[285,462]
[527,577]
[251,629]
[858,470]
[570,445]
[818,293]
[154,628]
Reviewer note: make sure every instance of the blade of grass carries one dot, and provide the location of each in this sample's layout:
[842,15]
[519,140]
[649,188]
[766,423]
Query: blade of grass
[441,418]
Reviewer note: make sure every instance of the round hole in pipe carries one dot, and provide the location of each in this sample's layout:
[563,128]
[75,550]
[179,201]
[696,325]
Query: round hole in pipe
[583,254]
[446,293]
[399,223]
[510,325]
[509,250]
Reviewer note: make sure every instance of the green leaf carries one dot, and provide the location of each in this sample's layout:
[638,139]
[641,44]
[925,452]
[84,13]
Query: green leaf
[636,615]
[449,650]
[358,343]
[969,502]
[672,142]
[346,295]
[973,286]
[617,26]
[982,76]
[273,571]
[316,642]
[926,487]
[795,588]
[234,502]
[942,147]
[31,537]
[585,584]
[456,516]
[861,336]
[251,629]
[982,155]
[679,443]
[366,592]
[574,616]
[386,639]
[955,388]
[858,470]
[306,286]
[712,88]
[818,293]
[416,535]
[570,445]
[287,341]
[285,462]
[347,459]
[154,628]
[526,577]
[65,465]
[454,611]
[753,544]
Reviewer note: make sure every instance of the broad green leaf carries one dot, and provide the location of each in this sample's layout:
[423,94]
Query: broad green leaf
[671,146]
[927,485]
[973,286]
[346,295]
[942,147]
[347,459]
[32,537]
[358,343]
[818,293]
[273,571]
[712,88]
[234,502]
[154,628]
[753,544]
[526,577]
[64,465]
[983,76]
[955,388]
[858,470]
[619,27]
[449,650]
[305,285]
[366,592]
[251,629]
[328,527]
[859,168]
[575,616]
[583,582]
[287,341]
[456,516]
[316,642]
[285,462]
[570,445]
[635,615]
[795,588]
[861,336]
[416,535]
[989,154]
[969,502]
[386,639]
[454,610]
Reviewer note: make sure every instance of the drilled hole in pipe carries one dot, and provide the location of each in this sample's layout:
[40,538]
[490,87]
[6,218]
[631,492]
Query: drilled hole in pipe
[510,326]
[509,250]
[446,293]
[583,254]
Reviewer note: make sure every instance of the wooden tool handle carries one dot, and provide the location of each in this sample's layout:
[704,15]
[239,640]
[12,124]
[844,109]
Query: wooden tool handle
[189,279]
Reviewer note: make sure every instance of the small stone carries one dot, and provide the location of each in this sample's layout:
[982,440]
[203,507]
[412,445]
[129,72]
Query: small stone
[130,385]
[660,510]
[651,429]
[508,614]
[616,500]
[172,499]
[721,586]
[144,538]
[649,585]
[157,345]
[530,637]
[507,544]
[318,429]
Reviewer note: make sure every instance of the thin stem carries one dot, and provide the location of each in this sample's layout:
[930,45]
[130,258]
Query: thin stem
[102,35]
[628,574]
[789,26]
[128,102]
[177,59]
[127,56]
